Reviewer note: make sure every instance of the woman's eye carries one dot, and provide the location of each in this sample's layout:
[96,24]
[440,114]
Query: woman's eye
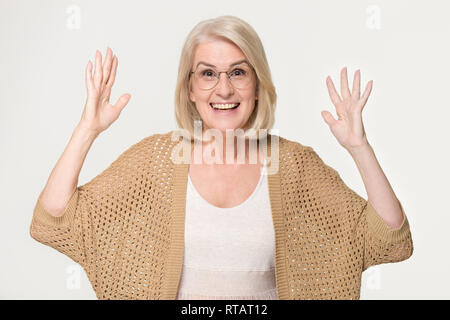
[208,73]
[238,72]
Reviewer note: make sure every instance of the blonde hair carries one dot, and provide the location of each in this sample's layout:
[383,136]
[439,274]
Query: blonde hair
[244,36]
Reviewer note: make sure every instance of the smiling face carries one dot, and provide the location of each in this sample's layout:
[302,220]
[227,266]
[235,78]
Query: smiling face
[222,53]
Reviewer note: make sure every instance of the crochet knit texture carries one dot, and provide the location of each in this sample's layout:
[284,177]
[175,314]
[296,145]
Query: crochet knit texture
[125,227]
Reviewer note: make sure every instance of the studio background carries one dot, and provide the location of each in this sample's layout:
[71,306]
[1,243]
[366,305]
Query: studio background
[402,45]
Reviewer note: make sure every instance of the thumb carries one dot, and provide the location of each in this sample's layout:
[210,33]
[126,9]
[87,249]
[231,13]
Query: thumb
[122,102]
[327,116]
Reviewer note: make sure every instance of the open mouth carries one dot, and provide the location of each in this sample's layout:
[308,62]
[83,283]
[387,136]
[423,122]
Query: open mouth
[218,106]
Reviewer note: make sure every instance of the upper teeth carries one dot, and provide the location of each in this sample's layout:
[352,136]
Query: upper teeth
[224,106]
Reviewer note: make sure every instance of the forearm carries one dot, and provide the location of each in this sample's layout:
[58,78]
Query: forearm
[379,191]
[63,179]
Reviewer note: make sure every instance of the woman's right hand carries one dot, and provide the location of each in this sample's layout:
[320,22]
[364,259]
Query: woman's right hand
[98,113]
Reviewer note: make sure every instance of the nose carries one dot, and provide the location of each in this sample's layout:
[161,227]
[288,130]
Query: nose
[224,87]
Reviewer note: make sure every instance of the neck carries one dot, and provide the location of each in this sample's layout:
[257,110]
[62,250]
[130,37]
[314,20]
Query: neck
[223,149]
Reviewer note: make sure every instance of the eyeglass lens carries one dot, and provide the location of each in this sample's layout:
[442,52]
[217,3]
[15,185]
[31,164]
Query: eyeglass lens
[239,75]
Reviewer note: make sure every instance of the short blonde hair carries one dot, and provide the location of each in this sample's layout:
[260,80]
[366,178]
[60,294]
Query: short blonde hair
[244,36]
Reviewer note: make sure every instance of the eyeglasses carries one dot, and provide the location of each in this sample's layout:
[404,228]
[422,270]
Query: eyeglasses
[206,78]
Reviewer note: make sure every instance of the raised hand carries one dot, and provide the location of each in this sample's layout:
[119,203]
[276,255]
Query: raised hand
[98,113]
[348,128]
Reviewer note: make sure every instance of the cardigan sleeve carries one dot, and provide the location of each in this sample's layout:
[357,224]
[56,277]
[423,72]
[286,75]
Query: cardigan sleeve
[357,220]
[91,213]
[71,233]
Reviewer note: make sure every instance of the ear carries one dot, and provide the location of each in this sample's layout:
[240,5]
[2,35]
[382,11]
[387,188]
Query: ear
[191,94]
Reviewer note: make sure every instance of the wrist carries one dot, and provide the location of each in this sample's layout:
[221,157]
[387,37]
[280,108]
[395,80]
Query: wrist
[360,150]
[85,132]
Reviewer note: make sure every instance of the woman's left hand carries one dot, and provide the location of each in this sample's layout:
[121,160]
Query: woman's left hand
[349,128]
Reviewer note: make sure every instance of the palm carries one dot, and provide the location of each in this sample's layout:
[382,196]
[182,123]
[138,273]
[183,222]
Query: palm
[98,113]
[348,128]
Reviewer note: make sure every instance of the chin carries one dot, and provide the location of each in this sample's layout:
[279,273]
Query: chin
[226,120]
[223,126]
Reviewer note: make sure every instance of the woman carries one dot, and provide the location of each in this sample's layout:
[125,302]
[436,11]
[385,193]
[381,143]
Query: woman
[150,227]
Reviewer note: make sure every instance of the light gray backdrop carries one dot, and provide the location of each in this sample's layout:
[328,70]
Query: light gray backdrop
[402,45]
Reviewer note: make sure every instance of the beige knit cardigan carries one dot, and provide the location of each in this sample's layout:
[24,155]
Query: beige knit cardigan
[125,227]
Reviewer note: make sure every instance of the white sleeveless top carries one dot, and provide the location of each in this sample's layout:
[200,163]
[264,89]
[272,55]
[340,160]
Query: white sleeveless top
[229,252]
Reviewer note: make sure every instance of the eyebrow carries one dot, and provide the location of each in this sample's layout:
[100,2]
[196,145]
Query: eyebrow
[211,65]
